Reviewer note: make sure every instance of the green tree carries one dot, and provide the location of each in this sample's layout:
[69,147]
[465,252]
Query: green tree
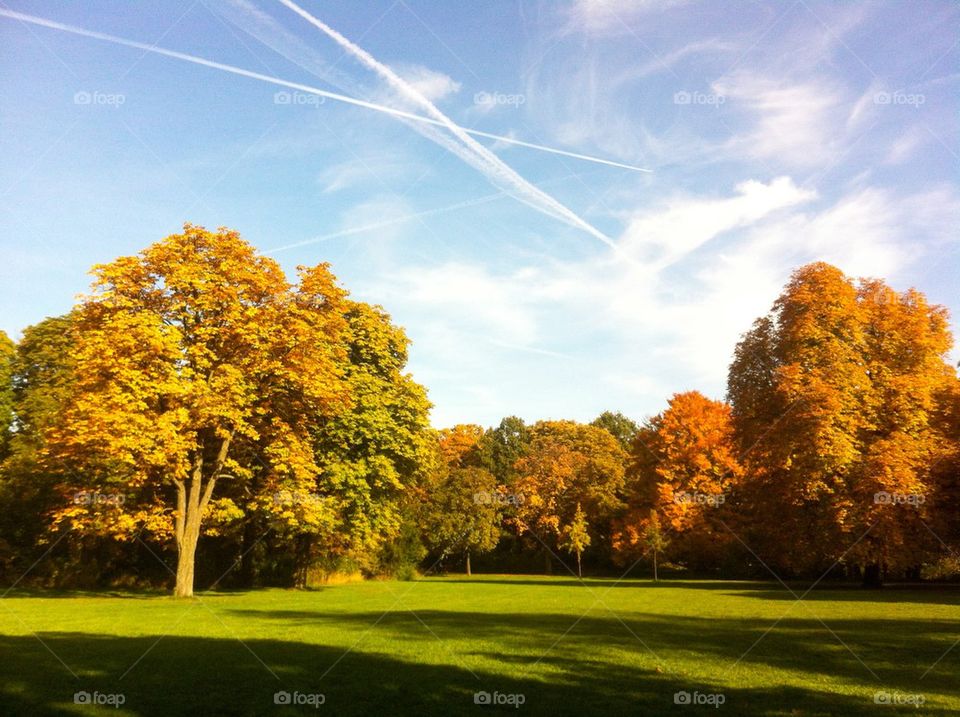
[7,354]
[463,512]
[620,427]
[566,464]
[374,453]
[501,447]
[654,541]
[40,377]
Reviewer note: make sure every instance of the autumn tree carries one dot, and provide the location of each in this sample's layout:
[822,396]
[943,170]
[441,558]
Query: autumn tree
[683,467]
[460,445]
[566,464]
[183,354]
[833,395]
[575,537]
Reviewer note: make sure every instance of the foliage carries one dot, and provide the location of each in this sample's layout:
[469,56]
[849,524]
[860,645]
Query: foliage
[193,347]
[622,428]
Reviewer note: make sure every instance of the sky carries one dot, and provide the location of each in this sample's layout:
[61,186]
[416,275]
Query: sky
[531,283]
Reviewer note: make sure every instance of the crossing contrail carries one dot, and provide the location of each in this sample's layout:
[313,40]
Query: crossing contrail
[460,144]
[479,156]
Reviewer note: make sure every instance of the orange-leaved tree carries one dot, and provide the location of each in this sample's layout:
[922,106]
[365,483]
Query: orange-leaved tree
[683,468]
[183,354]
[834,399]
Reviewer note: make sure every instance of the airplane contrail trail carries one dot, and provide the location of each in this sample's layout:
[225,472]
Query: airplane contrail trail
[390,222]
[470,151]
[404,218]
[53,25]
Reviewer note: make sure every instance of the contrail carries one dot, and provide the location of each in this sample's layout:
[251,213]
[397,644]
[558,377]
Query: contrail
[53,25]
[471,151]
[390,222]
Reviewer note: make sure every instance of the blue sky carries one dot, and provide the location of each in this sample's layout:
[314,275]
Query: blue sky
[530,283]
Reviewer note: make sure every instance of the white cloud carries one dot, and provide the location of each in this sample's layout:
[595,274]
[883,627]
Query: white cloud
[905,146]
[790,122]
[433,85]
[666,322]
[601,16]
[666,235]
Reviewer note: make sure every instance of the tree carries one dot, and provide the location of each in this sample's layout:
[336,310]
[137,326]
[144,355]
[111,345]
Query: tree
[460,445]
[575,536]
[40,376]
[185,355]
[654,541]
[567,464]
[463,512]
[7,354]
[501,447]
[620,427]
[372,454]
[833,397]
[683,466]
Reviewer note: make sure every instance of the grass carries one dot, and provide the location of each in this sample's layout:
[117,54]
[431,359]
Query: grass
[425,648]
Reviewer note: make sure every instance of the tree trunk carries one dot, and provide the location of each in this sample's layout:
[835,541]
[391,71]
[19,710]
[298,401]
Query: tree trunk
[873,576]
[468,564]
[579,572]
[548,564]
[186,560]
[190,507]
[656,578]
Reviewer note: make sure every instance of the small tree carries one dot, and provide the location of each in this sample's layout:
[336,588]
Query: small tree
[654,541]
[463,512]
[575,537]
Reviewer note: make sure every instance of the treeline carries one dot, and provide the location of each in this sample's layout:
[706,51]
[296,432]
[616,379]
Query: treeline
[197,419]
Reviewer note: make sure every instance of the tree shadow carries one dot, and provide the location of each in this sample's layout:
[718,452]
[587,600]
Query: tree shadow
[873,653]
[762,589]
[200,676]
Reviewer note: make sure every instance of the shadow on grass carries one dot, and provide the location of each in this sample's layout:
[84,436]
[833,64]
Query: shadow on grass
[766,590]
[200,676]
[873,653]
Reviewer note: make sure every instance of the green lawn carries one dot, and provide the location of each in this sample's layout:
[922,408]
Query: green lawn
[427,647]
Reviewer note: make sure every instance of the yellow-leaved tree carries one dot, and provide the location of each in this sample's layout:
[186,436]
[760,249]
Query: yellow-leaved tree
[184,355]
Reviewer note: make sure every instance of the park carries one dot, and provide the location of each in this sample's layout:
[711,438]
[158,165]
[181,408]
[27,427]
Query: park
[405,357]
